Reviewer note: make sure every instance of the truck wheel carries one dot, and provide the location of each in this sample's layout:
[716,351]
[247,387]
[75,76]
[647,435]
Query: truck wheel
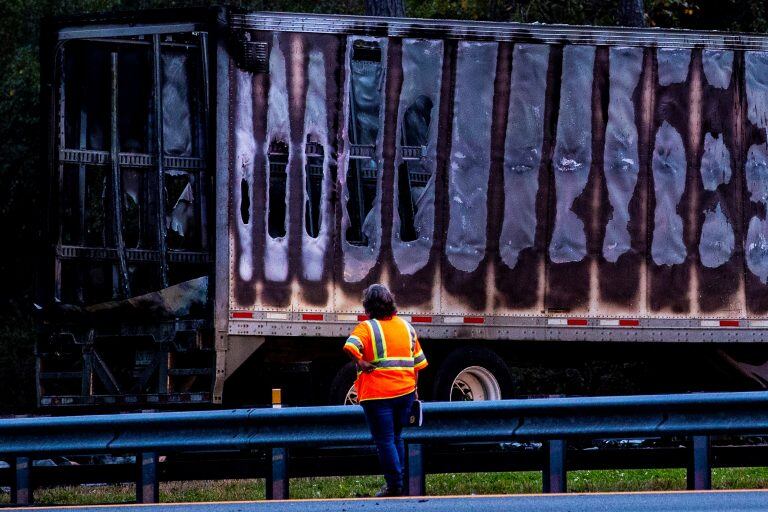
[343,390]
[473,374]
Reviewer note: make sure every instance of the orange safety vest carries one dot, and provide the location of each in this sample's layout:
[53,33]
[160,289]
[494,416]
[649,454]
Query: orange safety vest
[392,346]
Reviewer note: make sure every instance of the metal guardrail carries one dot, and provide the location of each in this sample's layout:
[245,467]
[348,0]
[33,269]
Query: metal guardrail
[749,501]
[554,421]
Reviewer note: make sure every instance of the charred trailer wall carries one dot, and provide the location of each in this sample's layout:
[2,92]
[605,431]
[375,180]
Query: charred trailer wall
[519,180]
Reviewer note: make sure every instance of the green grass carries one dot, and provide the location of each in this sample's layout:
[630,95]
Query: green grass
[437,485]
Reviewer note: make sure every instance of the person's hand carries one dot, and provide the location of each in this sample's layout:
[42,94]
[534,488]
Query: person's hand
[365,366]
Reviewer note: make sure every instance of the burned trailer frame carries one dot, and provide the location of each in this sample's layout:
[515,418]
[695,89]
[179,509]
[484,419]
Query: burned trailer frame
[517,186]
[123,286]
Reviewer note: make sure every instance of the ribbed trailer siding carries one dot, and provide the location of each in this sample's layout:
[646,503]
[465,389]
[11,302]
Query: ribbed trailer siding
[596,180]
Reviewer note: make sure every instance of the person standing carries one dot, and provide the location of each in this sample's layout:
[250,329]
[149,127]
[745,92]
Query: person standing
[388,357]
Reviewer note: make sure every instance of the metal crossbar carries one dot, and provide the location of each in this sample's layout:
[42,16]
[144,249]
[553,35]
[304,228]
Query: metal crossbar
[555,421]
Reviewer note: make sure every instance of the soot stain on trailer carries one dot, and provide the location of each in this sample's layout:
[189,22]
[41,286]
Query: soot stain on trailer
[394,85]
[669,275]
[496,185]
[591,206]
[721,269]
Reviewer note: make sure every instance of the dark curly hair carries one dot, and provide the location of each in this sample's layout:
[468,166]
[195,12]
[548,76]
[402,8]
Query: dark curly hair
[378,301]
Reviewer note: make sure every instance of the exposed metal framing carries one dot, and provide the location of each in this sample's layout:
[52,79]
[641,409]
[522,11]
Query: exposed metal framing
[95,157]
[494,31]
[82,158]
[117,195]
[202,181]
[159,148]
[126,30]
[60,56]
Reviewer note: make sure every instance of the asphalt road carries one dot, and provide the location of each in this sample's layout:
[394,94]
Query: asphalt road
[732,501]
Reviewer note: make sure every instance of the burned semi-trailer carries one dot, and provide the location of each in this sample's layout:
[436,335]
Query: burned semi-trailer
[557,209]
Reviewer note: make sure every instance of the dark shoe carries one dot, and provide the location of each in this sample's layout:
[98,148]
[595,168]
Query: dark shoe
[386,491]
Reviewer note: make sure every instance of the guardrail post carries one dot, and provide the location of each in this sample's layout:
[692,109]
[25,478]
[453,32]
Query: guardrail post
[147,486]
[554,476]
[415,484]
[699,467]
[21,489]
[277,475]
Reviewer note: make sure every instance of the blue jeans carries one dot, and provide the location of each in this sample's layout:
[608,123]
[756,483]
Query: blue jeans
[386,419]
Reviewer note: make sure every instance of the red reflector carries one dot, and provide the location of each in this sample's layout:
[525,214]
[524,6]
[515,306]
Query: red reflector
[629,323]
[474,320]
[729,323]
[314,317]
[577,321]
[362,318]
[242,314]
[421,319]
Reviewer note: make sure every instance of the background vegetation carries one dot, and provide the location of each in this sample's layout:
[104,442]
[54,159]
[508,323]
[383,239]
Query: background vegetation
[20,194]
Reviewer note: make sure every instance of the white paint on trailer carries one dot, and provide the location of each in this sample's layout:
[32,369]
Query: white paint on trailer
[313,249]
[470,158]
[620,163]
[278,130]
[718,67]
[673,65]
[669,166]
[573,153]
[245,154]
[756,80]
[522,150]
[717,239]
[715,162]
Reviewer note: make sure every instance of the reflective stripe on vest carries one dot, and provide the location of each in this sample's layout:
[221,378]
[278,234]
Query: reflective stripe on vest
[379,346]
[395,362]
[352,340]
[413,337]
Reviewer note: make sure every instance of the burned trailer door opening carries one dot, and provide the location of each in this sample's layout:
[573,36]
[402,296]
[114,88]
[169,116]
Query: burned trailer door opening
[416,152]
[361,160]
[130,238]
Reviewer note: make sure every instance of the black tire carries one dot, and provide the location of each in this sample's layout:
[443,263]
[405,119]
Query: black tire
[484,363]
[341,384]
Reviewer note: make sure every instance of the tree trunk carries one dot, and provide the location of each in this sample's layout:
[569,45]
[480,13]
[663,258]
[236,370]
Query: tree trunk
[393,8]
[631,13]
